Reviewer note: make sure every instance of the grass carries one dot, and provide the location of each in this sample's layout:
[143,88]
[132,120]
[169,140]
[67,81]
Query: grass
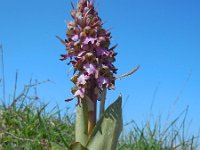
[26,124]
[155,137]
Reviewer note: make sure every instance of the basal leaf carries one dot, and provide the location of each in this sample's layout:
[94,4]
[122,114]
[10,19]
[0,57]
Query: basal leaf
[81,126]
[107,130]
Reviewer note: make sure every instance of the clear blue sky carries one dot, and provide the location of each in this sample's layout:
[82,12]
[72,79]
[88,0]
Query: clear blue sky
[163,36]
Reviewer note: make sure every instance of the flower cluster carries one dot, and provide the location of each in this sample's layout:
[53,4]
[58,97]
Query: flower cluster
[89,53]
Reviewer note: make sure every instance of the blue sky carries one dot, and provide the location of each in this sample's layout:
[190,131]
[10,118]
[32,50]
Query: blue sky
[162,36]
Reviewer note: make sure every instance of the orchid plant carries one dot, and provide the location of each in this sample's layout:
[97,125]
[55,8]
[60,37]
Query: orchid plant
[92,57]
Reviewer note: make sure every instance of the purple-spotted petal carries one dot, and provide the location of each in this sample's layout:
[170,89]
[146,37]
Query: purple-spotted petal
[80,93]
[101,51]
[80,54]
[75,38]
[89,39]
[89,68]
[82,79]
[103,81]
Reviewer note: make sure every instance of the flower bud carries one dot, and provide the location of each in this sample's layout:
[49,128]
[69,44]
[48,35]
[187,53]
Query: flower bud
[87,29]
[73,13]
[82,35]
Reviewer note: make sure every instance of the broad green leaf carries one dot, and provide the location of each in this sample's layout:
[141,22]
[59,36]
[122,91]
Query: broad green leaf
[77,146]
[81,126]
[107,130]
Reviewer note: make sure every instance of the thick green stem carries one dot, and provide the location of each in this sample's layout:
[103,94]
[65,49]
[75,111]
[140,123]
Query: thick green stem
[92,108]
[102,103]
[92,118]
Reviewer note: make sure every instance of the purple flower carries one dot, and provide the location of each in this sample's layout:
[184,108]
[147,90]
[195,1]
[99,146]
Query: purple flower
[111,66]
[103,81]
[89,53]
[89,68]
[89,39]
[82,79]
[75,38]
[80,54]
[80,93]
[102,52]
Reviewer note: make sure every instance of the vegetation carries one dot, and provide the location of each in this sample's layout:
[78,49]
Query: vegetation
[27,124]
[155,137]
